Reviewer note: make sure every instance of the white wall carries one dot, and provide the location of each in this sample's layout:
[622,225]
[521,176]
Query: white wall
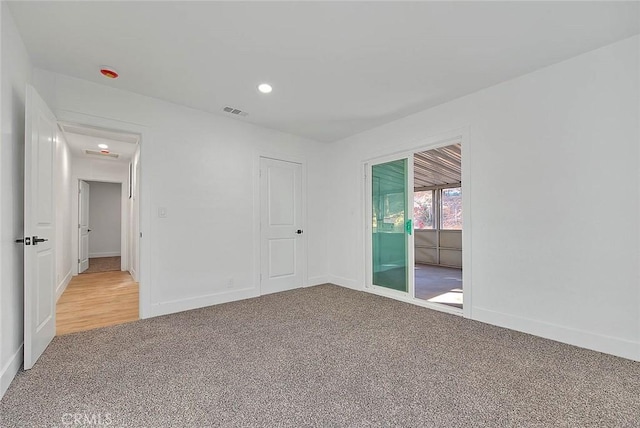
[16,73]
[63,192]
[203,169]
[102,170]
[553,161]
[134,217]
[105,218]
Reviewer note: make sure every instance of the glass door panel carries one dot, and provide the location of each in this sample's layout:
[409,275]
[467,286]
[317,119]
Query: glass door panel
[389,224]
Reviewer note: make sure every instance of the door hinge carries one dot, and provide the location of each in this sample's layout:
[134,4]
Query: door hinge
[78,260]
[79,226]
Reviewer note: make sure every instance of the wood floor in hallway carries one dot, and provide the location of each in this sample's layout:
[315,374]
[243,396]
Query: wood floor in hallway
[97,300]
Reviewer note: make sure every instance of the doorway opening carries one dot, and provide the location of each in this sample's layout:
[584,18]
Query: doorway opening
[104,290]
[437,222]
[58,155]
[413,226]
[100,226]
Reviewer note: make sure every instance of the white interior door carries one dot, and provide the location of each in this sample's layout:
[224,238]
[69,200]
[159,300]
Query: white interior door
[39,215]
[281,230]
[83,226]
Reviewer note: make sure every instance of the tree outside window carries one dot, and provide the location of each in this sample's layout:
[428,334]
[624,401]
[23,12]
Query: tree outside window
[451,209]
[423,214]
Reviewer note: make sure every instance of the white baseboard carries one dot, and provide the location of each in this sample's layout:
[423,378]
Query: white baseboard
[165,308]
[63,284]
[9,370]
[584,339]
[405,297]
[346,282]
[317,280]
[107,254]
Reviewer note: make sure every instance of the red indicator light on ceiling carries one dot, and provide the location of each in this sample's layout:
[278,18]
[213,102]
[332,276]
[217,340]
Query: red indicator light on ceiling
[109,73]
[106,152]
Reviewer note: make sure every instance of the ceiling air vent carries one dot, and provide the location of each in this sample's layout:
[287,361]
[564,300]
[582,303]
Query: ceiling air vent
[97,153]
[235,111]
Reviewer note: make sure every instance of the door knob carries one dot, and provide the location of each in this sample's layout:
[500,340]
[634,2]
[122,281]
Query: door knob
[36,240]
[299,231]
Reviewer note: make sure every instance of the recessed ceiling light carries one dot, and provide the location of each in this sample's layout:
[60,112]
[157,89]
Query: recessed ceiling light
[265,88]
[103,146]
[108,72]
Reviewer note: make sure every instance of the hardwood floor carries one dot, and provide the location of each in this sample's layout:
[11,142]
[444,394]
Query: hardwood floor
[103,264]
[97,300]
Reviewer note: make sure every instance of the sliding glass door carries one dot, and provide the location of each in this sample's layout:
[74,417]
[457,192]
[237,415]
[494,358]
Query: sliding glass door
[390,225]
[425,187]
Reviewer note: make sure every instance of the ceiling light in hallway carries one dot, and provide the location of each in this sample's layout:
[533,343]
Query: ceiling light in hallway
[265,88]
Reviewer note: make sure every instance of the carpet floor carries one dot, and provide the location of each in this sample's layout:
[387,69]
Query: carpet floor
[103,264]
[321,356]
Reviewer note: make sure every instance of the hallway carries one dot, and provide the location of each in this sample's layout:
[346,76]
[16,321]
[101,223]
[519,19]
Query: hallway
[95,300]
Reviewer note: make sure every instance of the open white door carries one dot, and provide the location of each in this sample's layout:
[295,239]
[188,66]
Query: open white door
[281,232]
[83,226]
[39,215]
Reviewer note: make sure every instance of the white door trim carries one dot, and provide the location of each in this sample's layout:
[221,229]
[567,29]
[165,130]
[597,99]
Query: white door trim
[145,144]
[124,219]
[256,212]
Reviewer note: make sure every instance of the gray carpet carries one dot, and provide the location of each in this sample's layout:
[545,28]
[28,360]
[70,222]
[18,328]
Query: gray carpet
[322,356]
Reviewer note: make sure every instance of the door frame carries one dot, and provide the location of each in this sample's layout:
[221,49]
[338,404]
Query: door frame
[257,259]
[409,216]
[125,219]
[144,212]
[441,140]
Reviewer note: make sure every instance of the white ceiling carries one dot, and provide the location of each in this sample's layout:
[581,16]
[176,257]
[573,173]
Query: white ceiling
[82,138]
[337,68]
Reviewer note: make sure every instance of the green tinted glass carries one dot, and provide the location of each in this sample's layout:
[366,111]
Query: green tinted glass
[389,217]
